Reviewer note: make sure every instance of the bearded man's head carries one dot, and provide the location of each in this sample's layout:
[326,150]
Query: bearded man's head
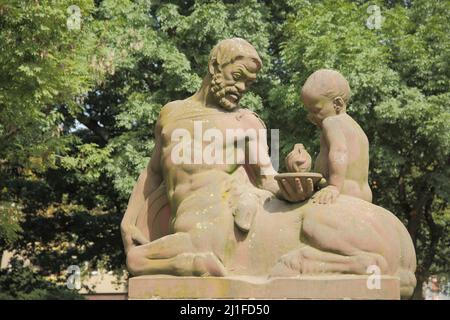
[233,65]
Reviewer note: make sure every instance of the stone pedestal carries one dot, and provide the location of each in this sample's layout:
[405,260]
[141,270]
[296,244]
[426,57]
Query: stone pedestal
[304,287]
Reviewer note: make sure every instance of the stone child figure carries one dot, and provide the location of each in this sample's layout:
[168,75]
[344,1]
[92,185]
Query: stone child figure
[344,148]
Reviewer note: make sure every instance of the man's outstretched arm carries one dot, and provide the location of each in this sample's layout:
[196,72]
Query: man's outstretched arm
[263,174]
[149,180]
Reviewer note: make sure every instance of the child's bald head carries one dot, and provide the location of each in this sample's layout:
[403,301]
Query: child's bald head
[325,94]
[327,83]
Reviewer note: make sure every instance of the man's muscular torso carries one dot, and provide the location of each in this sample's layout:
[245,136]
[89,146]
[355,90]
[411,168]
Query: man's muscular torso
[184,178]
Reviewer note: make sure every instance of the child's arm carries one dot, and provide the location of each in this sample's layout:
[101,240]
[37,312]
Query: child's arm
[337,161]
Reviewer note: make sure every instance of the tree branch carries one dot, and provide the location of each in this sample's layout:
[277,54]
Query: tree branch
[435,235]
[416,214]
[92,125]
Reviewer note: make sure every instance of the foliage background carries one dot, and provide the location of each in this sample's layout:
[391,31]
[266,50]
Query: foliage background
[78,108]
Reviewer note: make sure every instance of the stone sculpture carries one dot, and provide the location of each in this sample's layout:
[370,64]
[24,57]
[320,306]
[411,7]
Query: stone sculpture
[344,149]
[190,216]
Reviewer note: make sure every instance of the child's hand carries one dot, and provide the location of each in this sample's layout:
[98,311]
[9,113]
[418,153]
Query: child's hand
[298,160]
[326,195]
[322,183]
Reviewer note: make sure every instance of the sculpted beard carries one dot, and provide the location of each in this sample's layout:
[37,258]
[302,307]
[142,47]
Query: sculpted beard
[220,90]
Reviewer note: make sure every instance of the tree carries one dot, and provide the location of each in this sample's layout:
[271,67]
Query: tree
[41,65]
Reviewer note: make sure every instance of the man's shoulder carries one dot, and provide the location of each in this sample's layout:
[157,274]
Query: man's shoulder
[171,107]
[169,110]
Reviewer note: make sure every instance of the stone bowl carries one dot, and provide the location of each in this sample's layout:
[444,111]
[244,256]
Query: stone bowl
[291,176]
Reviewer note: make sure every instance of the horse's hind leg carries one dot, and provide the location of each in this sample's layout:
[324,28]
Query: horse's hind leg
[309,260]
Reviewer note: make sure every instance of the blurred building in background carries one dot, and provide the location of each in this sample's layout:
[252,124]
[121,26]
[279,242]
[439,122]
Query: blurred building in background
[436,288]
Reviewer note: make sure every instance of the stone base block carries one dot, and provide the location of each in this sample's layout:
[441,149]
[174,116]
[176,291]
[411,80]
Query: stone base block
[245,287]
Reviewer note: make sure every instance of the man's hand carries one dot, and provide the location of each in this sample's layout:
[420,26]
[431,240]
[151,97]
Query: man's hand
[296,192]
[326,195]
[132,235]
[298,160]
